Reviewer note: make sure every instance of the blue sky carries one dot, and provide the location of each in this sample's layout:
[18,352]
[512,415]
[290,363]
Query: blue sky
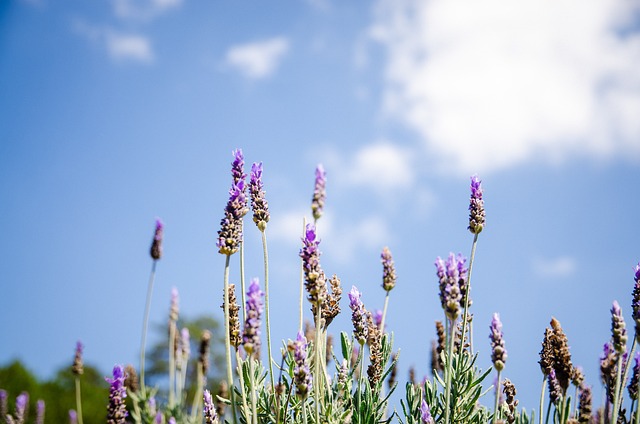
[115,112]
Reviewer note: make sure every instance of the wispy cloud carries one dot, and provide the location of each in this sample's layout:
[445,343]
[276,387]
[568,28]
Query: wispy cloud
[563,266]
[494,83]
[258,59]
[143,9]
[121,47]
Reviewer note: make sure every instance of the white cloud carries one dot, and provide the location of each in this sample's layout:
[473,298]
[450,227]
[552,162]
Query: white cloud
[143,9]
[258,59]
[382,166]
[493,83]
[559,267]
[129,47]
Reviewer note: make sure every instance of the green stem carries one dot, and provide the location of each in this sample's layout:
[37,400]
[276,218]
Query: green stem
[266,302]
[145,323]
[78,400]
[197,397]
[317,364]
[548,412]
[465,314]
[360,379]
[240,370]
[628,367]
[254,406]
[242,289]
[172,362]
[496,412]
[447,406]
[544,381]
[384,313]
[616,398]
[227,338]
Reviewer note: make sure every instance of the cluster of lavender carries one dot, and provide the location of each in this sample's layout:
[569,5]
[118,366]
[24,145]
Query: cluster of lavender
[304,388]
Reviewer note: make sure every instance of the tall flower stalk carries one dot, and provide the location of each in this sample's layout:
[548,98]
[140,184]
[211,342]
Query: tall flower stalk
[117,410]
[78,369]
[388,280]
[498,357]
[319,193]
[173,322]
[619,337]
[156,254]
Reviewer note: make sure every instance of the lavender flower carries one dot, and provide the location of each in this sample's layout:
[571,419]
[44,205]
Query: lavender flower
[618,328]
[230,233]
[117,411]
[185,343]
[377,317]
[388,270]
[633,384]
[258,201]
[452,276]
[205,343]
[152,405]
[73,416]
[331,306]
[498,351]
[175,308]
[255,306]
[78,367]
[210,416]
[319,193]
[234,319]
[156,244]
[358,316]
[21,405]
[555,390]
[40,411]
[425,413]
[476,206]
[585,405]
[315,281]
[159,418]
[301,373]
[608,362]
[636,301]
[3,403]
[172,420]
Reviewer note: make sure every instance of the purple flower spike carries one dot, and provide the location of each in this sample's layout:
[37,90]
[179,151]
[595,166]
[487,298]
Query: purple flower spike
[315,281]
[358,316]
[498,352]
[230,233]
[255,306]
[172,421]
[21,405]
[152,405]
[425,413]
[452,276]
[156,244]
[210,415]
[40,411]
[73,416]
[319,193]
[159,418]
[301,372]
[78,367]
[258,201]
[635,305]
[618,328]
[3,403]
[388,270]
[117,411]
[476,207]
[377,318]
[175,308]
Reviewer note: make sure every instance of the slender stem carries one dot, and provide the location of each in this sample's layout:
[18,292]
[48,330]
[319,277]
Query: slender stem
[360,379]
[254,406]
[244,300]
[616,398]
[625,373]
[544,381]
[227,337]
[78,400]
[197,397]
[239,370]
[317,364]
[384,313]
[496,411]
[304,412]
[304,227]
[447,406]
[172,362]
[465,314]
[266,302]
[145,322]
[548,412]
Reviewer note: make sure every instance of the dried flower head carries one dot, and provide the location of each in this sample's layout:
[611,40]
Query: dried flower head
[358,316]
[185,343]
[425,413]
[412,375]
[319,193]
[608,362]
[633,384]
[259,203]
[255,306]
[561,355]
[374,371]
[78,367]
[636,300]
[205,345]
[117,411]
[577,376]
[234,319]
[509,391]
[223,393]
[498,351]
[388,270]
[210,416]
[584,405]
[618,328]
[301,372]
[393,373]
[315,281]
[331,306]
[156,244]
[442,344]
[131,379]
[476,206]
[546,353]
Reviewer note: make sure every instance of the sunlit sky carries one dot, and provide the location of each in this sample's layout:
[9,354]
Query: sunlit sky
[115,112]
